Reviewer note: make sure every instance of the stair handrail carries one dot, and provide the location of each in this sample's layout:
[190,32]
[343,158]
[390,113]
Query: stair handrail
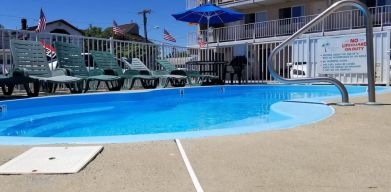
[340,86]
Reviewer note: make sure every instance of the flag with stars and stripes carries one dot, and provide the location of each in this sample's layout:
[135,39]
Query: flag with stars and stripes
[41,22]
[168,37]
[201,42]
[117,30]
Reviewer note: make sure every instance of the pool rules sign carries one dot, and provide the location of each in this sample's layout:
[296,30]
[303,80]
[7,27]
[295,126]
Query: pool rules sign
[343,54]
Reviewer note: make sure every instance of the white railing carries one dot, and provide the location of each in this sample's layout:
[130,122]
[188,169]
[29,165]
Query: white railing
[343,20]
[292,62]
[297,60]
[147,52]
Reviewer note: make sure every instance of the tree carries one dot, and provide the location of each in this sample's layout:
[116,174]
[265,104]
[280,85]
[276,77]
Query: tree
[98,32]
[2,26]
[94,31]
[107,33]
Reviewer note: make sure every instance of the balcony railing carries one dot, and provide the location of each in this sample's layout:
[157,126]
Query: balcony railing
[343,20]
[194,3]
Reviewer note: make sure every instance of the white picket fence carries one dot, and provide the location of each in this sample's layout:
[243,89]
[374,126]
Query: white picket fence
[295,61]
[147,52]
[298,60]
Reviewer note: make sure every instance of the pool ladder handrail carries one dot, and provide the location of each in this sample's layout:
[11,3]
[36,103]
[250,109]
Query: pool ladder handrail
[317,20]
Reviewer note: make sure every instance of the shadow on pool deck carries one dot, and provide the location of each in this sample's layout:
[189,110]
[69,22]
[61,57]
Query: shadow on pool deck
[22,95]
[348,152]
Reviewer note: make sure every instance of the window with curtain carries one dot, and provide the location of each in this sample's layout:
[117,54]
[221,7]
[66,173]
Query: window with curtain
[290,12]
[261,16]
[298,11]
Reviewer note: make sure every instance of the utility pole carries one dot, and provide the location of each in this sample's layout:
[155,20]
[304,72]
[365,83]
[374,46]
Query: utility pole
[145,19]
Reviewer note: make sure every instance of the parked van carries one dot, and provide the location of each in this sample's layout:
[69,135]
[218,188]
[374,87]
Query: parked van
[297,70]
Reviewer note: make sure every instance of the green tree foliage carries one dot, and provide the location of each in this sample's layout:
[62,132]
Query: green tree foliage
[94,31]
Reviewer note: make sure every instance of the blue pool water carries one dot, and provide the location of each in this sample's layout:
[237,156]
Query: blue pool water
[188,110]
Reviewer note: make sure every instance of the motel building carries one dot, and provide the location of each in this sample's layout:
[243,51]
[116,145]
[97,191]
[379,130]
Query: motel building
[336,47]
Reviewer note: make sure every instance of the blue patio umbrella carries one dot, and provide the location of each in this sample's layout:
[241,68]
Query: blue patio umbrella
[209,14]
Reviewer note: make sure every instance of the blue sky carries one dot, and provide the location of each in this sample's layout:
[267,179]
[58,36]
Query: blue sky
[81,13]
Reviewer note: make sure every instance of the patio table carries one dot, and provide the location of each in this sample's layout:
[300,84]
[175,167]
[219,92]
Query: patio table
[216,68]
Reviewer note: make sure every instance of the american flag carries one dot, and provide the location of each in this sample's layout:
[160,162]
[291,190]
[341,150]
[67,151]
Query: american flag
[41,22]
[168,37]
[117,30]
[201,42]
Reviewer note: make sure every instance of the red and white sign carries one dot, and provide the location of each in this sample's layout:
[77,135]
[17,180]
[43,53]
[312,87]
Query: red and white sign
[342,54]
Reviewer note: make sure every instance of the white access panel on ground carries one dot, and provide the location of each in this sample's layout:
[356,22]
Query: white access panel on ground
[51,160]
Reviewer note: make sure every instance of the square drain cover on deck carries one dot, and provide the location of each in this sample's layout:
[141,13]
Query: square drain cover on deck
[51,160]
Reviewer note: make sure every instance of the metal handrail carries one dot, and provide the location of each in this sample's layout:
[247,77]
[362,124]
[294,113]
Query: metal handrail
[340,86]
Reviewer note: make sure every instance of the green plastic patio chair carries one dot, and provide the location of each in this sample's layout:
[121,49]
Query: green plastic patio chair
[177,78]
[4,82]
[31,66]
[170,68]
[107,62]
[69,57]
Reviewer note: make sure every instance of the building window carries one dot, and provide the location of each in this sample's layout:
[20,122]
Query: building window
[202,2]
[383,2]
[291,15]
[285,13]
[298,72]
[261,16]
[298,11]
[249,18]
[290,12]
[374,3]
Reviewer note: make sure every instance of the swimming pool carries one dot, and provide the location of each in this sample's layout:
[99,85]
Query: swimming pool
[163,114]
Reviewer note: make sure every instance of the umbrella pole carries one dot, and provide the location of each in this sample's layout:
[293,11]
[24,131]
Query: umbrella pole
[207,38]
[207,43]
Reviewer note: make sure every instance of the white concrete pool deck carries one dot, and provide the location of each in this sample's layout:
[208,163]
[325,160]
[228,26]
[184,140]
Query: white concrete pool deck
[351,151]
